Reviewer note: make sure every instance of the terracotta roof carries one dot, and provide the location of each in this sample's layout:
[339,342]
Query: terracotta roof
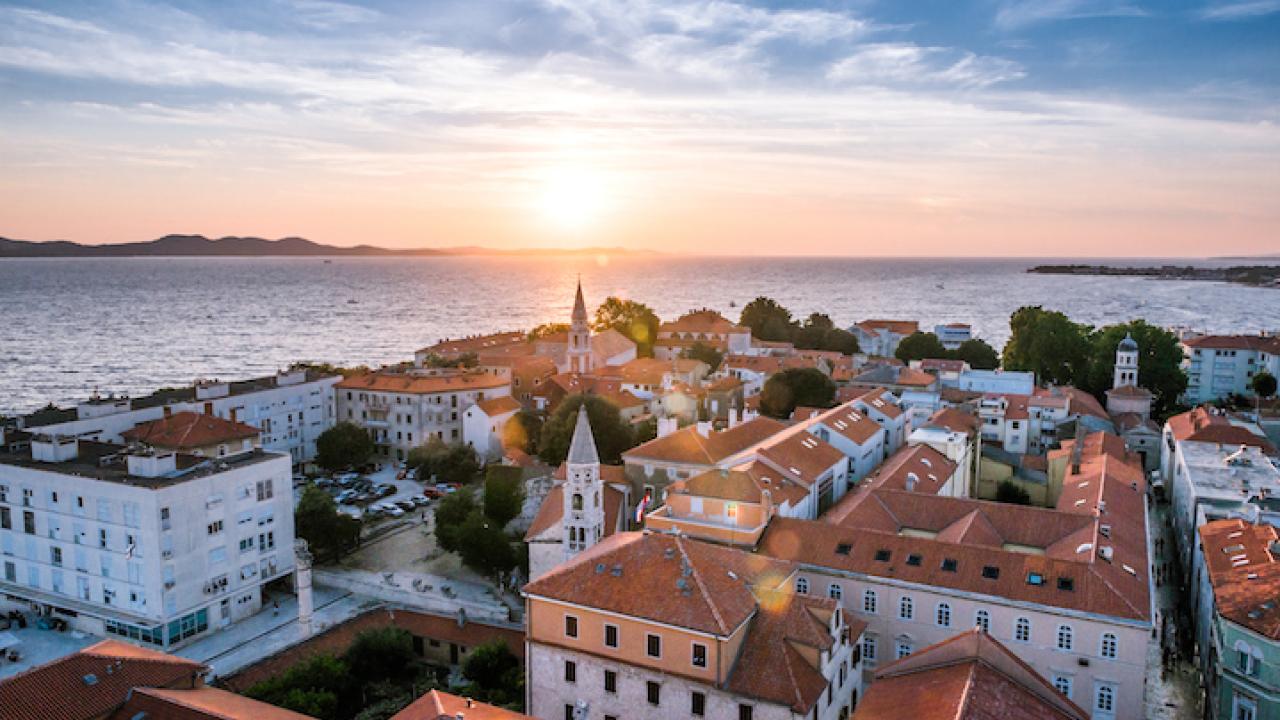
[955,420]
[499,405]
[551,511]
[899,327]
[896,375]
[1203,425]
[422,384]
[643,575]
[701,321]
[1235,342]
[93,682]
[850,422]
[189,430]
[476,344]
[1130,421]
[924,468]
[803,455]
[688,446]
[970,676]
[610,342]
[436,705]
[1130,391]
[1243,561]
[744,484]
[650,371]
[942,365]
[199,704]
[1082,403]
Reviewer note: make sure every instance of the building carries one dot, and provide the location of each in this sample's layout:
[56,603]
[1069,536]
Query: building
[996,381]
[702,326]
[477,345]
[149,544]
[1126,397]
[920,468]
[953,335]
[881,406]
[577,350]
[881,337]
[437,705]
[971,676]
[1218,366]
[290,409]
[1211,481]
[401,411]
[581,509]
[1237,588]
[686,452]
[484,425]
[954,433]
[732,507]
[112,679]
[855,432]
[647,625]
[1067,588]
[207,436]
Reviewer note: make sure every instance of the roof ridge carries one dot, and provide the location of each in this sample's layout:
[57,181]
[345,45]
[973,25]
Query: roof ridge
[702,588]
[176,697]
[968,688]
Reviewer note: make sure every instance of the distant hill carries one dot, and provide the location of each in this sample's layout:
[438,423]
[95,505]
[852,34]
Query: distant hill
[1272,256]
[201,246]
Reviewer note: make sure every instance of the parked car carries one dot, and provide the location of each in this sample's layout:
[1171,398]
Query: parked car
[346,496]
[420,500]
[406,505]
[384,490]
[394,511]
[324,482]
[372,512]
[431,492]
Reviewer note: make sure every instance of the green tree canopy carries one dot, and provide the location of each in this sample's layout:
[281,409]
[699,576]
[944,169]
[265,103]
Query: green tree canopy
[1009,492]
[704,352]
[613,435]
[345,445]
[1159,362]
[451,512]
[631,318]
[768,320]
[818,332]
[503,493]
[328,532]
[1264,384]
[447,462]
[920,346]
[315,687]
[494,674]
[468,359]
[796,386]
[978,354]
[546,329]
[1049,344]
[381,654]
[484,547]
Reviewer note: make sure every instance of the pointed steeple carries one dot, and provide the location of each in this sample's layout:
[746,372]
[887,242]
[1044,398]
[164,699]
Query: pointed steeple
[579,306]
[582,450]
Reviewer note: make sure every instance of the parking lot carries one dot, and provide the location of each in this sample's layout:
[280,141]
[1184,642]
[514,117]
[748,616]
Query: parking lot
[358,493]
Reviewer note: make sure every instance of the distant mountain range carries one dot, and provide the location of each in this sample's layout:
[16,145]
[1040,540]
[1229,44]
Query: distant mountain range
[201,246]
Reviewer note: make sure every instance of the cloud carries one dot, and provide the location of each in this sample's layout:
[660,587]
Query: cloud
[327,15]
[1240,10]
[898,63]
[1017,14]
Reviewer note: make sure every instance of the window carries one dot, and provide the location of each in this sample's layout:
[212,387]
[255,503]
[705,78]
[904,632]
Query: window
[834,591]
[1066,583]
[983,620]
[949,564]
[697,704]
[906,609]
[570,671]
[610,635]
[699,655]
[883,555]
[1035,578]
[265,489]
[1022,630]
[1104,699]
[869,647]
[744,711]
[653,646]
[903,648]
[568,712]
[843,548]
[802,586]
[215,527]
[570,626]
[914,560]
[944,615]
[55,556]
[6,522]
[869,601]
[1066,638]
[991,572]
[654,691]
[28,522]
[1243,708]
[1109,646]
[1063,684]
[610,681]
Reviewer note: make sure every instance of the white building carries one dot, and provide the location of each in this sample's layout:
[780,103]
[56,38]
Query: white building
[881,337]
[291,409]
[1222,365]
[996,381]
[150,545]
[953,335]
[483,425]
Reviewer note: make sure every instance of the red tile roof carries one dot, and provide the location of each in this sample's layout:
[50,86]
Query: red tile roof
[700,321]
[551,511]
[1202,424]
[803,455]
[745,484]
[955,420]
[850,422]
[924,468]
[476,344]
[1262,343]
[899,327]
[422,384]
[689,447]
[188,431]
[970,676]
[499,405]
[1244,568]
[202,703]
[437,705]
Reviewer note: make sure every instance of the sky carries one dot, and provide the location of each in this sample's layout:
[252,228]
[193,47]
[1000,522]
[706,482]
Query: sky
[922,128]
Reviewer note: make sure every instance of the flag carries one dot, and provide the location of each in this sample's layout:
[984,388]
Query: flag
[642,506]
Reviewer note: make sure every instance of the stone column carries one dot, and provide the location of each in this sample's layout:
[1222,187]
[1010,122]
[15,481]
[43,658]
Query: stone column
[302,583]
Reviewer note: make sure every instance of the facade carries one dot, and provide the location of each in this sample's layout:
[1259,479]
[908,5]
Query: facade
[483,425]
[290,408]
[1237,603]
[701,326]
[996,381]
[881,337]
[155,546]
[1125,395]
[1221,365]
[646,626]
[953,335]
[732,507]
[881,406]
[401,411]
[954,433]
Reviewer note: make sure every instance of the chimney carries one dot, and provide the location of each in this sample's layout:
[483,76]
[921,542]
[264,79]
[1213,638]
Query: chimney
[733,416]
[233,413]
[208,408]
[168,411]
[704,428]
[1077,448]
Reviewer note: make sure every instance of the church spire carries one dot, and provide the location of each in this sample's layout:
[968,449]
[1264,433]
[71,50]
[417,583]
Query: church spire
[579,307]
[582,449]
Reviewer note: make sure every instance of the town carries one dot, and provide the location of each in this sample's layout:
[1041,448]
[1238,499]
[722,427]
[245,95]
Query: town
[620,516]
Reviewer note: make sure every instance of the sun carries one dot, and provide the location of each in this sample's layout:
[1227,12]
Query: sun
[572,198]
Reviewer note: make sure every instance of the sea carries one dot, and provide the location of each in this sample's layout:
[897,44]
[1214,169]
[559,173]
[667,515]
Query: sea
[69,327]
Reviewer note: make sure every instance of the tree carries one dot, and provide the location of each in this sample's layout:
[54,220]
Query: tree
[503,493]
[315,686]
[841,341]
[633,319]
[1264,384]
[920,346]
[451,512]
[468,359]
[521,431]
[613,435]
[345,445]
[494,673]
[1047,343]
[704,352]
[446,462]
[328,532]
[546,329]
[818,332]
[1159,363]
[768,320]
[1009,492]
[484,547]
[381,654]
[783,391]
[978,354]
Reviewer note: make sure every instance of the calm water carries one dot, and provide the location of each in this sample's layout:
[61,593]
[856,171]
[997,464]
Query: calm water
[131,325]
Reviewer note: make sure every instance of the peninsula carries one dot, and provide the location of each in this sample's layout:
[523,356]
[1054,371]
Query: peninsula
[1254,275]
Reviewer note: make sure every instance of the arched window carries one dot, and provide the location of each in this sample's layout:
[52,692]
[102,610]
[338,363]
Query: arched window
[802,586]
[869,647]
[869,601]
[577,501]
[906,609]
[835,592]
[1105,700]
[1066,638]
[903,647]
[1110,646]
[982,619]
[944,615]
[1022,630]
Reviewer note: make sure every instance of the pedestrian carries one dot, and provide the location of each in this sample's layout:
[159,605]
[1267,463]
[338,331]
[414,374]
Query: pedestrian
[275,608]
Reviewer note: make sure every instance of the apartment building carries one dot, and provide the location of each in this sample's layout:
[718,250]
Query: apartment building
[953,335]
[404,410]
[701,326]
[646,625]
[149,544]
[881,337]
[1221,365]
[290,409]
